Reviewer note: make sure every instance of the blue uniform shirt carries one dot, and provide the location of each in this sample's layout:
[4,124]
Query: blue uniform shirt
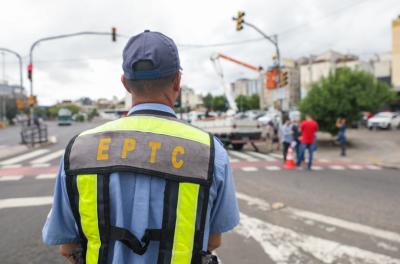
[136,203]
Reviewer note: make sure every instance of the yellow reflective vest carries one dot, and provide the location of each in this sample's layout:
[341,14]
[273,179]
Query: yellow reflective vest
[151,143]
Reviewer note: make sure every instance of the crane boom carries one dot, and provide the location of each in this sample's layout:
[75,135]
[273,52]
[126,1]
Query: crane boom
[246,65]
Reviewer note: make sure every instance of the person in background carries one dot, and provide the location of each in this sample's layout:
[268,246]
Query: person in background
[341,136]
[296,137]
[286,136]
[308,128]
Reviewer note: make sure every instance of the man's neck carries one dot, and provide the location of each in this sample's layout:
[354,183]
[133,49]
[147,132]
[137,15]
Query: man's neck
[137,101]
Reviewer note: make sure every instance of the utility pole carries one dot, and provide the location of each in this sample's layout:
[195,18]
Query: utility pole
[113,35]
[4,66]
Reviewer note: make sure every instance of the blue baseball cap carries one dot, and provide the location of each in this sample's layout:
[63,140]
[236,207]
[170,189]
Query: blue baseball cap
[155,47]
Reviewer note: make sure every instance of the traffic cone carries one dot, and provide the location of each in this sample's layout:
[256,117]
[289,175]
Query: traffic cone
[289,164]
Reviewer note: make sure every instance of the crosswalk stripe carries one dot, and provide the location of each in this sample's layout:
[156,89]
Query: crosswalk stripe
[278,156]
[262,156]
[242,155]
[355,167]
[11,166]
[41,165]
[48,157]
[11,178]
[46,176]
[233,160]
[373,167]
[24,157]
[249,169]
[317,168]
[336,167]
[273,168]
[25,202]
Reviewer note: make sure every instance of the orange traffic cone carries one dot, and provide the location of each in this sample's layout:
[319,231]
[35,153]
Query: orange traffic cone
[289,164]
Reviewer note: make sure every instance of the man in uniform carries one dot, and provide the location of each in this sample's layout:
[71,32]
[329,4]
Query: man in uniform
[144,176]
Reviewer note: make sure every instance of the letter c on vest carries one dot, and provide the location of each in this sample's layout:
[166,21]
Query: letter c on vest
[103,148]
[177,150]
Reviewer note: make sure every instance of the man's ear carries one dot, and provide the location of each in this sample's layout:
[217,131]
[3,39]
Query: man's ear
[177,82]
[125,83]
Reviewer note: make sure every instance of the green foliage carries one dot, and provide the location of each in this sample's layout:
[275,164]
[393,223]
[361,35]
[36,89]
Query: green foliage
[245,103]
[217,103]
[92,114]
[208,102]
[345,93]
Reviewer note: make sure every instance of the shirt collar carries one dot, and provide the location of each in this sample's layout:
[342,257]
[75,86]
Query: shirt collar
[152,106]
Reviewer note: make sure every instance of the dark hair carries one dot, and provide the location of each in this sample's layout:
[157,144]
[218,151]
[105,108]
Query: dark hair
[146,87]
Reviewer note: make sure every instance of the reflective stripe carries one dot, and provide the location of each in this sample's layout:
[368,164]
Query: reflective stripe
[154,125]
[185,223]
[87,188]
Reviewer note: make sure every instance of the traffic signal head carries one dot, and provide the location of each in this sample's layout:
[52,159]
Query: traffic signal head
[114,34]
[283,79]
[240,20]
[30,67]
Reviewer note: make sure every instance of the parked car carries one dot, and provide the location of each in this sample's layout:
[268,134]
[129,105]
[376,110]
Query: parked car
[387,120]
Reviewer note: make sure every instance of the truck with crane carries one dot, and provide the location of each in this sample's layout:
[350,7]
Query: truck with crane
[232,128]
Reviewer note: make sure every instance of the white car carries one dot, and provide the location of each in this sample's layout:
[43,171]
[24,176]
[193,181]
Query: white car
[387,120]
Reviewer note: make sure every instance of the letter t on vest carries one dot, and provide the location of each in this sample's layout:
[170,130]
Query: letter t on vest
[104,146]
[177,150]
[154,145]
[129,145]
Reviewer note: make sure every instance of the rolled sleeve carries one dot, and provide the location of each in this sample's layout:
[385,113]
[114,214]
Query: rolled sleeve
[225,211]
[60,227]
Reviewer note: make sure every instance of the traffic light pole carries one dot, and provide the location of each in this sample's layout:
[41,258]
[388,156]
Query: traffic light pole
[21,82]
[273,39]
[113,34]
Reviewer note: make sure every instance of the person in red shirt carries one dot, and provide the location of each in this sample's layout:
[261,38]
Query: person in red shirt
[308,128]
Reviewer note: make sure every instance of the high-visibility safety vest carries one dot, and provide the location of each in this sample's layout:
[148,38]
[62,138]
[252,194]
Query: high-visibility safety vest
[151,143]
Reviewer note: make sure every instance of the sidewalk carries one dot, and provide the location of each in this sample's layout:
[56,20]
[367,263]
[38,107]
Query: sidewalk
[381,148]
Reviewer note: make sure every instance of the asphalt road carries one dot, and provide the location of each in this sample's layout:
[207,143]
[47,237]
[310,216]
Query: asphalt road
[338,213]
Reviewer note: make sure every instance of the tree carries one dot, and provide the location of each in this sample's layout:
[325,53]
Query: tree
[245,103]
[208,101]
[219,103]
[344,94]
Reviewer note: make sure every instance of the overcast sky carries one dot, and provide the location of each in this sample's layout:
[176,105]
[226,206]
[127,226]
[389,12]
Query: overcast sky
[91,65]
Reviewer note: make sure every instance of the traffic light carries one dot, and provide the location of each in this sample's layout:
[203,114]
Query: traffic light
[30,67]
[114,34]
[272,79]
[32,100]
[283,78]
[240,20]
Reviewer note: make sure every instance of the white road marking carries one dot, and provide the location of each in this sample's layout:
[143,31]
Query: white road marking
[332,221]
[262,156]
[373,167]
[242,155]
[249,169]
[323,160]
[336,167]
[45,176]
[233,160]
[285,246]
[387,247]
[317,168]
[355,167]
[273,168]
[48,157]
[11,166]
[275,155]
[25,202]
[24,157]
[11,178]
[41,165]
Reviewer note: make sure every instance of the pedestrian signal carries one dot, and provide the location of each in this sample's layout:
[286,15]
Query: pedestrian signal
[114,34]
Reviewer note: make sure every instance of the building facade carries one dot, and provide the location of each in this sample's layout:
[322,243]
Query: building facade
[396,54]
[190,100]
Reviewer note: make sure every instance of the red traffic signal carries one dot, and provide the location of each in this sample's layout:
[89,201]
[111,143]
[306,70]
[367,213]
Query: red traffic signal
[30,67]
[114,34]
